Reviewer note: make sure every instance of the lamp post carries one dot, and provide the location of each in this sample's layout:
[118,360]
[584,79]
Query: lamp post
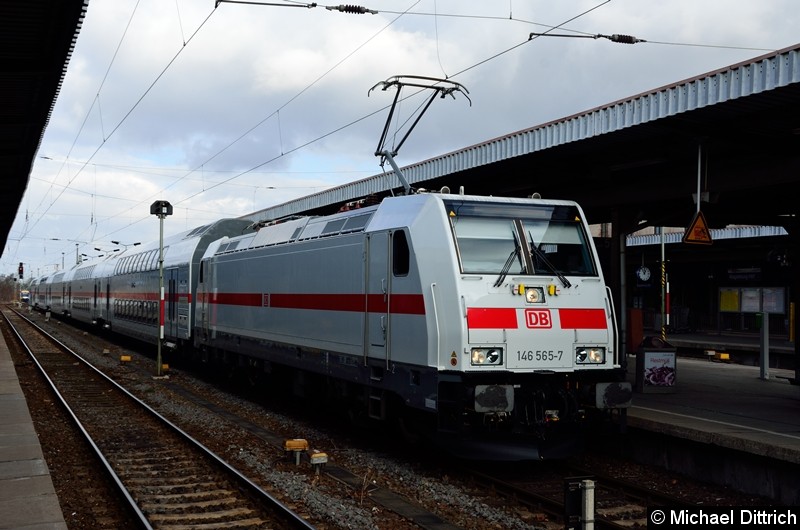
[160,209]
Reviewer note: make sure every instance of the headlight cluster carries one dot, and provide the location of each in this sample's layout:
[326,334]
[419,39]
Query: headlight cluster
[486,356]
[589,355]
[534,295]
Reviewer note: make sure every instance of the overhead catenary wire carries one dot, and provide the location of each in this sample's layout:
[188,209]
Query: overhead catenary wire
[272,114]
[89,111]
[624,39]
[629,39]
[122,214]
[406,13]
[130,111]
[319,138]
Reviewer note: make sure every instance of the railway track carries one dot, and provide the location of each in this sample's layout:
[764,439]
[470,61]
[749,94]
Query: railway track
[618,503]
[168,479]
[349,484]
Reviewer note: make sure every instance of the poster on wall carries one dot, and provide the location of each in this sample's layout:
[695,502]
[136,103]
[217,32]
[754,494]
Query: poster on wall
[773,300]
[751,300]
[729,299]
[659,368]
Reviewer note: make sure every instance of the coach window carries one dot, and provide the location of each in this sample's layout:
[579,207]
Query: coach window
[400,254]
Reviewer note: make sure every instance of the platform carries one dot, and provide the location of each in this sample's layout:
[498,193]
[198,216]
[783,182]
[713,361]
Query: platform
[778,344]
[28,499]
[727,405]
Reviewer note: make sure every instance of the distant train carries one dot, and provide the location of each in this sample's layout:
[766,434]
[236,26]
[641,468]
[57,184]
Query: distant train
[25,296]
[484,321]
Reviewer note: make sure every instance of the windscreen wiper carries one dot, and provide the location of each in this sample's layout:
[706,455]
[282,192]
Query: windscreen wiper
[541,255]
[516,253]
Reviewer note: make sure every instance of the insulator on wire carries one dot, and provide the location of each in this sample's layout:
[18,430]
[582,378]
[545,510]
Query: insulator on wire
[354,10]
[622,39]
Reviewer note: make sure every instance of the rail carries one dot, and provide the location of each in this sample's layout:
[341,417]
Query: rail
[251,491]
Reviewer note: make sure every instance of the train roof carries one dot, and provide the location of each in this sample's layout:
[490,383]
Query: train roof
[178,248]
[181,248]
[392,212]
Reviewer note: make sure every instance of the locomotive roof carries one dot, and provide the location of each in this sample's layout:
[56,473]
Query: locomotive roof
[391,213]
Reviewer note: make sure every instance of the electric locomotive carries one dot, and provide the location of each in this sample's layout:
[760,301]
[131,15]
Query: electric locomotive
[477,320]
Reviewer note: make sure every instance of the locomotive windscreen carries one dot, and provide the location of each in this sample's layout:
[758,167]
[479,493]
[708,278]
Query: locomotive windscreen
[520,239]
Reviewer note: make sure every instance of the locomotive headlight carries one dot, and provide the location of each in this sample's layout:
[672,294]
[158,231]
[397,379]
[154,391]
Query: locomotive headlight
[534,295]
[587,355]
[487,356]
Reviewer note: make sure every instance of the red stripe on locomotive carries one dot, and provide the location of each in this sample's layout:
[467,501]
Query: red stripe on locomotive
[491,318]
[506,318]
[583,319]
[405,304]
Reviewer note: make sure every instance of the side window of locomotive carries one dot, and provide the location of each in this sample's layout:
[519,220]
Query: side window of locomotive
[485,244]
[401,258]
[563,244]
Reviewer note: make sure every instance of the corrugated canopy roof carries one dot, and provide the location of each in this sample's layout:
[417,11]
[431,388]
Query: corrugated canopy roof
[36,41]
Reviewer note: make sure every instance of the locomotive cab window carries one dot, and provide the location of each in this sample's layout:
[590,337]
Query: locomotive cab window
[401,258]
[486,243]
[536,239]
[558,244]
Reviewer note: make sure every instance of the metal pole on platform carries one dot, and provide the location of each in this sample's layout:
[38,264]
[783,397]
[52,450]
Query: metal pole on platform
[699,172]
[587,509]
[664,308]
[764,357]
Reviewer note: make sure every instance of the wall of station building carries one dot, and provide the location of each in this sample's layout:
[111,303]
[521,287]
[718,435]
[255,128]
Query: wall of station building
[728,286]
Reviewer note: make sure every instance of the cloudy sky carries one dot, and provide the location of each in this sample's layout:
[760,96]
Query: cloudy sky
[224,110]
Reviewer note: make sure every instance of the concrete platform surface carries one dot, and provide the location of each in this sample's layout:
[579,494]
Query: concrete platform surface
[723,404]
[28,500]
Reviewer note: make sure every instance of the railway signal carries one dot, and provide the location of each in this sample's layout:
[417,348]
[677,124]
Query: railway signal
[160,209]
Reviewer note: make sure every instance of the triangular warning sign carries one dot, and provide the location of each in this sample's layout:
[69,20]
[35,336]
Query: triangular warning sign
[698,231]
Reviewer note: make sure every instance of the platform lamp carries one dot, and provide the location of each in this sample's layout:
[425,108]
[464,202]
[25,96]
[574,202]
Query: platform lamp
[160,209]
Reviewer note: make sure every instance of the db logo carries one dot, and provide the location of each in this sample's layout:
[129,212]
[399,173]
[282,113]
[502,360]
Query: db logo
[538,318]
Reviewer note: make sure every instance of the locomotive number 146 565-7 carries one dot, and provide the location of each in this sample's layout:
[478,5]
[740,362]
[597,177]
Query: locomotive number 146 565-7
[539,355]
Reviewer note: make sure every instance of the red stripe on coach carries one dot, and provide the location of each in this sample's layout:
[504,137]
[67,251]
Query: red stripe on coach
[583,319]
[491,318]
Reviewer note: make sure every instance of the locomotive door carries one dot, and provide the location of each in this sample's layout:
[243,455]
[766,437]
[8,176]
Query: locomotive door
[378,293]
[387,273]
